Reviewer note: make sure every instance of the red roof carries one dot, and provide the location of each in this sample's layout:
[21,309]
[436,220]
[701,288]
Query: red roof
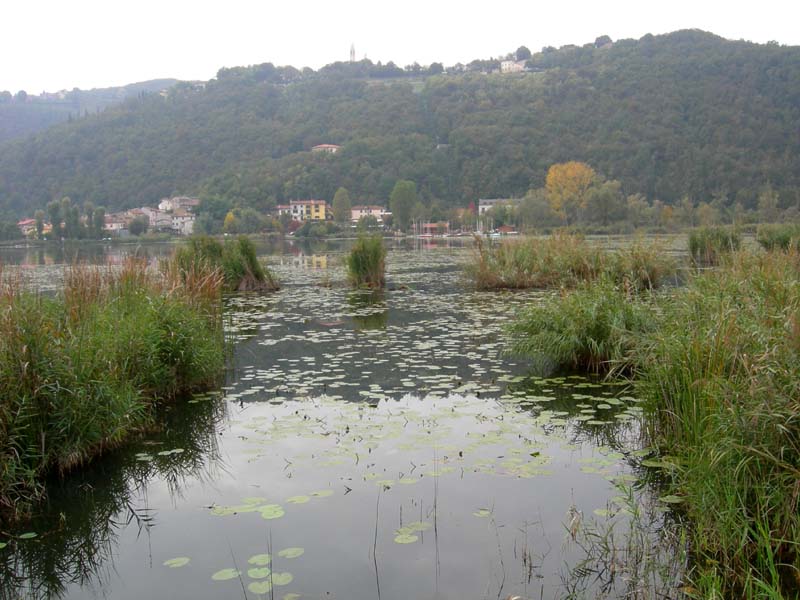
[323,146]
[25,222]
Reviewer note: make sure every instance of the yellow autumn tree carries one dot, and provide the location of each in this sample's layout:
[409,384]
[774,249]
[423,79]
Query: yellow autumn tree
[566,186]
[230,224]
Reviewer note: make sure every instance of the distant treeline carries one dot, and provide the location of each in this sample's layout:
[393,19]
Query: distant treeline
[683,115]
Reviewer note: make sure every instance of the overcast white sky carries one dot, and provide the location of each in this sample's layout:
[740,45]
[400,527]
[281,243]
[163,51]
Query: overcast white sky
[56,44]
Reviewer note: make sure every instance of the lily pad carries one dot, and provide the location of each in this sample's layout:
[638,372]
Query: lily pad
[260,587]
[405,538]
[225,575]
[258,572]
[259,559]
[291,552]
[298,499]
[322,493]
[271,511]
[282,578]
[482,512]
[291,596]
[174,563]
[28,536]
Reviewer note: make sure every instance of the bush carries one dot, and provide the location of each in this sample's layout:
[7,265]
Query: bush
[366,263]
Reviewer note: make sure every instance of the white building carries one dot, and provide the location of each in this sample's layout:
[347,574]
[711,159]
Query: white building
[512,66]
[369,210]
[485,204]
[326,148]
[183,222]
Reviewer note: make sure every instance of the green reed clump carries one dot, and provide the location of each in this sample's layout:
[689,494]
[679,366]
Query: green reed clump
[366,263]
[641,267]
[779,237]
[564,260]
[707,245]
[594,327]
[79,372]
[235,258]
[560,260]
[721,380]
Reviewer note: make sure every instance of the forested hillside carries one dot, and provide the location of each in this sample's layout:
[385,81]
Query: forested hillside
[687,113]
[22,114]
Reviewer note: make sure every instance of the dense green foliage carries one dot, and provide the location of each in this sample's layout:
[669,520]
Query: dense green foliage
[366,263]
[707,245]
[236,260]
[9,231]
[718,365]
[79,372]
[684,114]
[594,327]
[23,114]
[564,260]
[779,237]
[720,375]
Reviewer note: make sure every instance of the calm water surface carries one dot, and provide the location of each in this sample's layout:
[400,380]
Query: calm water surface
[363,446]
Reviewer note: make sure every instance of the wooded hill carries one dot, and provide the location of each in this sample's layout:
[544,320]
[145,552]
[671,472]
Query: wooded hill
[687,113]
[22,114]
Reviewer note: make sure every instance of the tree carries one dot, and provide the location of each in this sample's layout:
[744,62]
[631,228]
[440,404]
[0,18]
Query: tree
[402,201]
[231,223]
[39,216]
[436,68]
[99,224]
[605,203]
[54,211]
[768,204]
[566,185]
[523,53]
[139,225]
[342,210]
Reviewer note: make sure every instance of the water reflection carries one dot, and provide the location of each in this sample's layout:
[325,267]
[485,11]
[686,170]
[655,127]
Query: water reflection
[369,309]
[384,434]
[79,531]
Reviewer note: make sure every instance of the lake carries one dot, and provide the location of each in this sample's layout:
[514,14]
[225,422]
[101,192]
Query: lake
[363,446]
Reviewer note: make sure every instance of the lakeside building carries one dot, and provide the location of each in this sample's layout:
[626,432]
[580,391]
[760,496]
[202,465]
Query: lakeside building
[368,210]
[305,210]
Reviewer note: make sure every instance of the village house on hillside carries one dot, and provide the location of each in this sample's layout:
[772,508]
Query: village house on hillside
[326,148]
[306,210]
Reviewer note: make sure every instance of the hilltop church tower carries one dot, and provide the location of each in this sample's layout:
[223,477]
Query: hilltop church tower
[352,53]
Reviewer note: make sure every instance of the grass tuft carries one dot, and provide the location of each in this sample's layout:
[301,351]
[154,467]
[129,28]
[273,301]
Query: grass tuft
[366,263]
[707,245]
[236,259]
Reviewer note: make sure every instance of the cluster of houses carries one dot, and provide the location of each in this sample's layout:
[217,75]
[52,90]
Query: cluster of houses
[172,215]
[319,210]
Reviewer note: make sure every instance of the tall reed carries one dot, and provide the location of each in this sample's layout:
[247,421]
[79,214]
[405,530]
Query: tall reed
[721,378]
[366,263]
[707,245]
[79,372]
[779,237]
[565,260]
[236,259]
[594,327]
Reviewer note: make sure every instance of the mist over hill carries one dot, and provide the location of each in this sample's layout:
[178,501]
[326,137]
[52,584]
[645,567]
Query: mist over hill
[682,114]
